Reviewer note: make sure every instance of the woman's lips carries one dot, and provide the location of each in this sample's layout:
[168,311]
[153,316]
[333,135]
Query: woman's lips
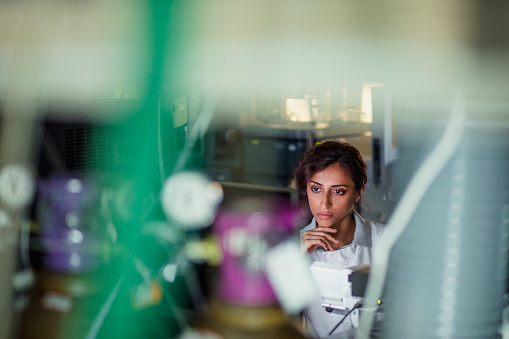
[324,215]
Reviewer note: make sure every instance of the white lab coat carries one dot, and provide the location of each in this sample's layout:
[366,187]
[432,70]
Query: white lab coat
[319,322]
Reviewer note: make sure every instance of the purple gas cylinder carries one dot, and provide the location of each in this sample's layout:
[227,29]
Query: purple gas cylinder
[246,233]
[70,231]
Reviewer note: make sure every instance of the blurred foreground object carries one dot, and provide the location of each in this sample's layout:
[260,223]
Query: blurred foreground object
[190,199]
[69,224]
[243,304]
[447,273]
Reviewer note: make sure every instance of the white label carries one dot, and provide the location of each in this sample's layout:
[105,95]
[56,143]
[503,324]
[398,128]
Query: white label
[57,302]
[290,276]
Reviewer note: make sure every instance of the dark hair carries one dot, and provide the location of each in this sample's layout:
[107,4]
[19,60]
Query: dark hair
[322,155]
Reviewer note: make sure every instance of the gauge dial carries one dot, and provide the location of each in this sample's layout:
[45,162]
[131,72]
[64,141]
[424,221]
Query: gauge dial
[191,199]
[16,185]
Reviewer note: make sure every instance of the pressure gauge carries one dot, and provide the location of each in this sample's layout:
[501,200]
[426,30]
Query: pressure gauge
[5,220]
[16,185]
[191,199]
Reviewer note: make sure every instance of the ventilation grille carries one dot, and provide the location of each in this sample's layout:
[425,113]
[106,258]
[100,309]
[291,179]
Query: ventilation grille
[89,149]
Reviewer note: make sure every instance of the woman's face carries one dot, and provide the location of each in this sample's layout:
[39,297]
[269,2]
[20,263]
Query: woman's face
[331,196]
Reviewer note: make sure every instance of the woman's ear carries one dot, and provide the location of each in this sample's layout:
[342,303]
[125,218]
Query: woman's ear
[359,194]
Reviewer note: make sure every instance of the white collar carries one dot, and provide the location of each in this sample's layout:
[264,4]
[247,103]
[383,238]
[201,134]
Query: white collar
[362,235]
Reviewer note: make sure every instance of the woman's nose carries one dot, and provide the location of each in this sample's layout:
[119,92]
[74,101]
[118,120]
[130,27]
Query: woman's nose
[325,200]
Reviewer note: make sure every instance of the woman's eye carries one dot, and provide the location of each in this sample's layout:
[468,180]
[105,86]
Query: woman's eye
[339,191]
[315,189]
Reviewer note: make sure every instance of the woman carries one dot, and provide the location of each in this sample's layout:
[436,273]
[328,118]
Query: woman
[332,175]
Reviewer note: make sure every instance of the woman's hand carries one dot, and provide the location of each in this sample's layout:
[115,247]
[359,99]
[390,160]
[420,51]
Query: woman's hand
[320,236]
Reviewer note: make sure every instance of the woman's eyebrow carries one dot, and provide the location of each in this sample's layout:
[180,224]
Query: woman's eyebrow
[338,185]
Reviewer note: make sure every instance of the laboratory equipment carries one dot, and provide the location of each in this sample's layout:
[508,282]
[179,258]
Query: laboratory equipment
[246,234]
[243,302]
[271,155]
[190,199]
[335,287]
[341,295]
[16,185]
[70,228]
[447,273]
